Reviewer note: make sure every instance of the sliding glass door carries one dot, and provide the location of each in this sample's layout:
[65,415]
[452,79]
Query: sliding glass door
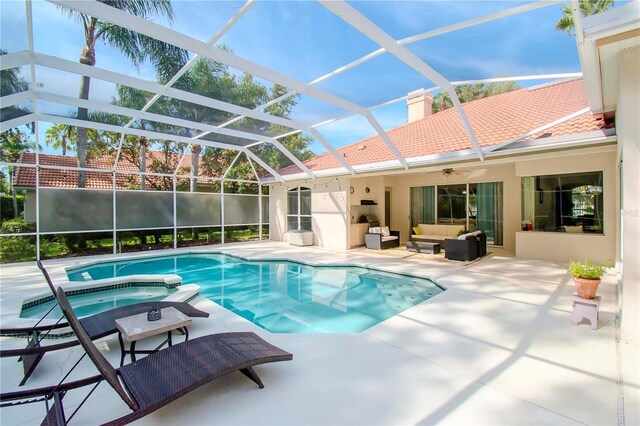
[489,210]
[452,204]
[474,205]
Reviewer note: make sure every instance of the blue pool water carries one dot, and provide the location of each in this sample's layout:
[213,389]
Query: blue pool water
[87,304]
[285,297]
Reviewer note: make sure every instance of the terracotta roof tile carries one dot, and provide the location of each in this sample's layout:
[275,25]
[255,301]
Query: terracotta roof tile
[495,120]
[26,176]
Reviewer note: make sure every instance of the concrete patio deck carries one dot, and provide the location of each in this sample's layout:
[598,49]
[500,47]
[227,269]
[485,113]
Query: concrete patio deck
[497,347]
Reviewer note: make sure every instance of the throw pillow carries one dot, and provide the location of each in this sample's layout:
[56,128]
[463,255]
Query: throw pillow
[463,236]
[374,230]
[385,231]
[417,230]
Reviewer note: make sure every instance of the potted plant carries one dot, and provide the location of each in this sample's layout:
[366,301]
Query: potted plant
[586,275]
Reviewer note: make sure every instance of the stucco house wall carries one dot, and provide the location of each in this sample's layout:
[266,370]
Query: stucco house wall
[335,209]
[329,211]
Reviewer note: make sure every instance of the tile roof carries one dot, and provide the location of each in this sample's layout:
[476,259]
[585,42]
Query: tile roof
[26,176]
[495,120]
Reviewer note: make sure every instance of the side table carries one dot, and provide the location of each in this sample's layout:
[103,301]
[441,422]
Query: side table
[585,308]
[137,327]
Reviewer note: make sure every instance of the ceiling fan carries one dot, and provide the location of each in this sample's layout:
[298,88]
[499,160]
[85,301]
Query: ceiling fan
[450,171]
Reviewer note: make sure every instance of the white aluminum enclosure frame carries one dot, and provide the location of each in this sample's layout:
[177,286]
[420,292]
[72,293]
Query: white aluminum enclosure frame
[209,50]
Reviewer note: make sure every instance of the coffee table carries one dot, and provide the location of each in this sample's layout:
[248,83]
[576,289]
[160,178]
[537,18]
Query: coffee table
[137,327]
[423,247]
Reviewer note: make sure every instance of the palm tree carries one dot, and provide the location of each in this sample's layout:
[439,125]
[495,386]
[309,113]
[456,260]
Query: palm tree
[587,7]
[60,136]
[166,58]
[11,82]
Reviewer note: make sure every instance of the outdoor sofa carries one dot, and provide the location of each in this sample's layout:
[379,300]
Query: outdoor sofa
[435,233]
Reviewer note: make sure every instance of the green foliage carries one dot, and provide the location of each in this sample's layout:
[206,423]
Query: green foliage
[6,206]
[17,226]
[587,7]
[471,92]
[19,248]
[61,136]
[586,270]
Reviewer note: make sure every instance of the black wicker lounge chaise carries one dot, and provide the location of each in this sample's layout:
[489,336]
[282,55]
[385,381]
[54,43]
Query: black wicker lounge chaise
[96,326]
[160,378]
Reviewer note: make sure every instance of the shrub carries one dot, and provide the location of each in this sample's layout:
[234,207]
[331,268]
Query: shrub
[17,249]
[586,270]
[17,226]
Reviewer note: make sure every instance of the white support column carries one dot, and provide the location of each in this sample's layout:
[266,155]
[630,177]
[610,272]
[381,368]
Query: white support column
[114,207]
[222,211]
[175,215]
[260,211]
[29,15]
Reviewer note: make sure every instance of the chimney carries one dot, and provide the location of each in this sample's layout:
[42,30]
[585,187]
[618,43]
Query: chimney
[419,105]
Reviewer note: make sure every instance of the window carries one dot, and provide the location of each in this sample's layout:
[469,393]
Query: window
[299,209]
[563,203]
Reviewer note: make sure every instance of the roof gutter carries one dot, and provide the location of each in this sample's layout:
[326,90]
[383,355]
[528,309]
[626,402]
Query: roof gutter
[583,140]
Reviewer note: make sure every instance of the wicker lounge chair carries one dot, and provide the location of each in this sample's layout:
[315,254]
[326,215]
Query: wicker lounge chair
[162,377]
[96,326]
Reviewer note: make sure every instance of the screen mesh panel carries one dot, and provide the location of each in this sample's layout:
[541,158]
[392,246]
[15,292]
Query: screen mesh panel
[63,210]
[140,210]
[241,209]
[197,209]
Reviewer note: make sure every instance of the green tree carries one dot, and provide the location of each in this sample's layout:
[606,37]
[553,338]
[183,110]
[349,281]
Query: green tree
[471,92]
[13,142]
[587,7]
[166,58]
[61,136]
[207,78]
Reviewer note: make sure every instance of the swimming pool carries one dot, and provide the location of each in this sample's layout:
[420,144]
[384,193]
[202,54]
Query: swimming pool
[285,297]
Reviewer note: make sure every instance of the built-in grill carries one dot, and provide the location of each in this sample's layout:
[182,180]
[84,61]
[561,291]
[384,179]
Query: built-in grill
[371,219]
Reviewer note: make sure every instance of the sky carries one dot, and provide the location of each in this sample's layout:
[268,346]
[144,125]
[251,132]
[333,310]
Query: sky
[303,40]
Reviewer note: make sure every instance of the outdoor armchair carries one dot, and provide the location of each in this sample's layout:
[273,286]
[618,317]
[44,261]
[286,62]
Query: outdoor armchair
[376,240]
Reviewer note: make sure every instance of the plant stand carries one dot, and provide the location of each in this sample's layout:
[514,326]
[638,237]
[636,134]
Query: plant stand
[585,308]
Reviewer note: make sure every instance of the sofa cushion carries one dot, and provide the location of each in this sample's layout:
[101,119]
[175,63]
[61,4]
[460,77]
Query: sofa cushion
[573,229]
[385,231]
[444,230]
[391,238]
